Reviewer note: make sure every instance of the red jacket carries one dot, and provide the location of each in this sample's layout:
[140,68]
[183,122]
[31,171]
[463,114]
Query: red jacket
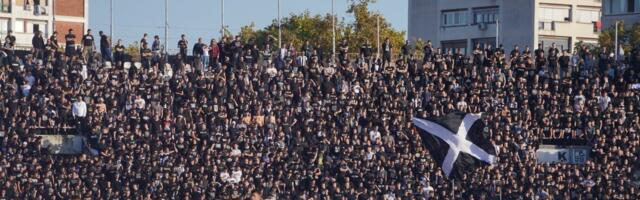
[214,51]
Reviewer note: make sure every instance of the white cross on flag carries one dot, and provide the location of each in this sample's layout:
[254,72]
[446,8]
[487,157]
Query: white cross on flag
[456,142]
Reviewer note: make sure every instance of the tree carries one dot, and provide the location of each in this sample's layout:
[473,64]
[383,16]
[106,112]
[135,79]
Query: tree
[365,26]
[629,38]
[133,50]
[298,28]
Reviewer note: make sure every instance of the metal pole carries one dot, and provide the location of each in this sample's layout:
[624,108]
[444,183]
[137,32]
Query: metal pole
[166,31]
[616,42]
[53,12]
[111,16]
[279,27]
[222,19]
[378,35]
[497,33]
[333,25]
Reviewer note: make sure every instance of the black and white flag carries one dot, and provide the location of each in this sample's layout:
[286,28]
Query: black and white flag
[456,142]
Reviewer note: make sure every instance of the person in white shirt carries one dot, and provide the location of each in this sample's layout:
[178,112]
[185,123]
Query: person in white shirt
[205,57]
[139,102]
[374,134]
[603,101]
[79,108]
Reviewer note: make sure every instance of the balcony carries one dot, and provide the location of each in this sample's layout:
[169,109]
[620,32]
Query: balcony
[36,10]
[547,26]
[560,28]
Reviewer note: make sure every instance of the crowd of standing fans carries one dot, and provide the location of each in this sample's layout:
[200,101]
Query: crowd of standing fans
[239,120]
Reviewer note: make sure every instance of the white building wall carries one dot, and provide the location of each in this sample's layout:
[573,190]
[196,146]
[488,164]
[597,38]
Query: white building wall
[518,22]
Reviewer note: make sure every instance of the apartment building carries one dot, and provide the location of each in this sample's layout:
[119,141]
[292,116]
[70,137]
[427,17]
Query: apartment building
[24,17]
[457,25]
[627,11]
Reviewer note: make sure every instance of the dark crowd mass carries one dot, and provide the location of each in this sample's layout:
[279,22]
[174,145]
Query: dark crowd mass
[248,120]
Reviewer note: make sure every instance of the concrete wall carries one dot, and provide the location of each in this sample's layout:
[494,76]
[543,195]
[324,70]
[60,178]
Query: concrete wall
[420,18]
[518,24]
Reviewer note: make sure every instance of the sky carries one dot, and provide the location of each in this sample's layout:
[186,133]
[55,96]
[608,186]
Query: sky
[201,18]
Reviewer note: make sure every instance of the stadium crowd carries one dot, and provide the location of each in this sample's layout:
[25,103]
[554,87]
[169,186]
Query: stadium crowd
[238,120]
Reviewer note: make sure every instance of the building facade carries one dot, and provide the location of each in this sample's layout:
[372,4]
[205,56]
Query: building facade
[626,11]
[25,17]
[456,25]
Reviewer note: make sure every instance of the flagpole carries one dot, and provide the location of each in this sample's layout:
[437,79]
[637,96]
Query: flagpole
[497,32]
[378,35]
[279,27]
[616,42]
[333,25]
[111,16]
[222,18]
[166,30]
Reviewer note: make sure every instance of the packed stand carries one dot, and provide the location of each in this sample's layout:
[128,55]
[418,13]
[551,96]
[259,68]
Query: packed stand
[237,120]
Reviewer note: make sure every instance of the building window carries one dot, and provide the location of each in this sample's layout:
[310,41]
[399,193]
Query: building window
[18,26]
[613,7]
[5,7]
[484,42]
[4,26]
[454,18]
[454,46]
[562,43]
[557,14]
[485,15]
[587,16]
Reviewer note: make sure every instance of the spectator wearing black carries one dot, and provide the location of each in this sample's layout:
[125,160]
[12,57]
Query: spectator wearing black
[343,50]
[386,52]
[366,52]
[88,46]
[143,41]
[564,62]
[156,48]
[553,59]
[223,46]
[70,44]
[183,45]
[307,49]
[197,49]
[406,49]
[38,45]
[11,39]
[427,52]
[319,52]
[105,47]
[147,56]
[236,51]
[604,60]
[321,132]
[119,54]
[54,41]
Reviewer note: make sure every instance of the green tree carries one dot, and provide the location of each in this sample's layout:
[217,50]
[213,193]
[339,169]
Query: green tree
[133,50]
[629,38]
[298,28]
[366,24]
